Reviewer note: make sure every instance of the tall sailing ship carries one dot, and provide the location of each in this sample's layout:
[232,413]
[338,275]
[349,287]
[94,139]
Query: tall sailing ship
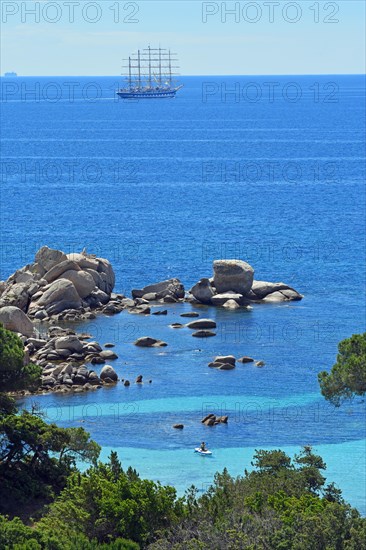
[150,74]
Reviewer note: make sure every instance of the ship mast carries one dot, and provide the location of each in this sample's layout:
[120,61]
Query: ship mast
[149,68]
[129,73]
[159,66]
[170,70]
[139,68]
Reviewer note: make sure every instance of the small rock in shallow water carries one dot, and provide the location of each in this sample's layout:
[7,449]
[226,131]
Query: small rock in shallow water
[202,323]
[178,426]
[225,359]
[148,342]
[260,364]
[176,325]
[109,345]
[245,359]
[139,379]
[203,333]
[108,372]
[207,417]
[160,312]
[126,383]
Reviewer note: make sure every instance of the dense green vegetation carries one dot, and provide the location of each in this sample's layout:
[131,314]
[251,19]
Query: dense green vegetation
[348,376]
[46,503]
[14,375]
[282,504]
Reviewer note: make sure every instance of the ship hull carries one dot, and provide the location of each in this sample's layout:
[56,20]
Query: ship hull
[154,94]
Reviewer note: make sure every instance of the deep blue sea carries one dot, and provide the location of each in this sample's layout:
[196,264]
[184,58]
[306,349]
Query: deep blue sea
[266,169]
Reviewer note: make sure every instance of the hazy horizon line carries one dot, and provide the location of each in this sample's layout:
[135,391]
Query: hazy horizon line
[181,76]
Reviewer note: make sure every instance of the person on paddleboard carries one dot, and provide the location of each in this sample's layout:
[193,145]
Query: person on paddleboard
[203,446]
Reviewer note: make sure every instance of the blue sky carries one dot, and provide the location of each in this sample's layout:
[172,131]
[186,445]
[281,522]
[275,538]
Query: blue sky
[261,37]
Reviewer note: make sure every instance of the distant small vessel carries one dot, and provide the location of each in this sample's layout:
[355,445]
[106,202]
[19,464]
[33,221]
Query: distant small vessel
[201,452]
[150,75]
[10,75]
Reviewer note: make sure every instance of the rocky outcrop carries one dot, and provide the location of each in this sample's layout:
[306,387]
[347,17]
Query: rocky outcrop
[203,291]
[57,270]
[70,343]
[233,275]
[233,286]
[171,288]
[283,296]
[58,296]
[16,320]
[46,258]
[108,372]
[56,283]
[276,292]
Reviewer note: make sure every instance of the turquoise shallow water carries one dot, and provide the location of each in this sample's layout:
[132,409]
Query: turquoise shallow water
[164,188]
[346,466]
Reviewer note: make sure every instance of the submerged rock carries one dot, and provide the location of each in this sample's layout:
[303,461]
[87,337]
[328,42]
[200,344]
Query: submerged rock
[226,366]
[203,333]
[190,314]
[148,342]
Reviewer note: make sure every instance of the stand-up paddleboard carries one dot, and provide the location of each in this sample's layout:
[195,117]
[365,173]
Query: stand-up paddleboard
[203,453]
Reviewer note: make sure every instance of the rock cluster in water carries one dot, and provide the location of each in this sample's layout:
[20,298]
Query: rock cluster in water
[75,287]
[58,286]
[213,420]
[63,354]
[233,286]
